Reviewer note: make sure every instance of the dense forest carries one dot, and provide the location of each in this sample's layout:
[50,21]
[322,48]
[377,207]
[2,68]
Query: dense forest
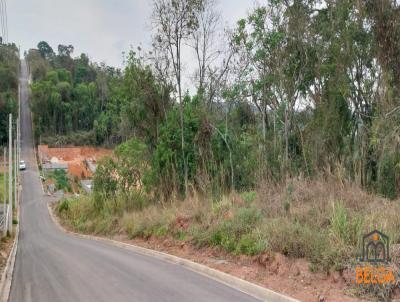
[9,71]
[296,88]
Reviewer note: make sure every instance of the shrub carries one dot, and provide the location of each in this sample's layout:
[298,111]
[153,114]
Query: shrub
[80,138]
[249,196]
[247,218]
[148,222]
[179,235]
[63,206]
[251,244]
[344,229]
[221,207]
[104,181]
[61,179]
[291,238]
[135,200]
[234,234]
[387,176]
[161,231]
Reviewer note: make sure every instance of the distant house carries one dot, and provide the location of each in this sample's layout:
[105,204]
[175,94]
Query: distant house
[49,167]
[87,185]
[91,166]
[79,162]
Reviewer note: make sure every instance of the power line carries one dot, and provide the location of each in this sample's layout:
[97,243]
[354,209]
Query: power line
[6,20]
[2,21]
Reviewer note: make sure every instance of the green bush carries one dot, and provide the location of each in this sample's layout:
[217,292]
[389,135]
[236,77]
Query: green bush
[343,228]
[148,222]
[80,138]
[234,235]
[161,231]
[63,206]
[288,238]
[135,200]
[61,179]
[387,176]
[179,235]
[249,196]
[247,218]
[251,244]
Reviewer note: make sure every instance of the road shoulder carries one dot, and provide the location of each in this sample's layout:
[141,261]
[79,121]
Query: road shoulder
[7,273]
[251,289]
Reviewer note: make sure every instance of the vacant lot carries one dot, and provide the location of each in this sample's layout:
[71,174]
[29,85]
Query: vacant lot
[79,160]
[321,222]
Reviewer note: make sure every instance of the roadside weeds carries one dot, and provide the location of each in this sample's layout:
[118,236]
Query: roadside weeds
[241,285]
[314,224]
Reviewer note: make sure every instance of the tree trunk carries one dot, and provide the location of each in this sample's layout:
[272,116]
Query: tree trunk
[286,141]
[181,107]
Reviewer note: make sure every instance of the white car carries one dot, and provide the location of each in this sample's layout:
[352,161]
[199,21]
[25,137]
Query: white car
[22,165]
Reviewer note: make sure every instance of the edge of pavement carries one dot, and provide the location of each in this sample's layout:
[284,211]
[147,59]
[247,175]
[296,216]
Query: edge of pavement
[7,275]
[241,285]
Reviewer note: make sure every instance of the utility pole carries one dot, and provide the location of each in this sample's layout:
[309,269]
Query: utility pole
[19,136]
[15,173]
[18,155]
[16,149]
[10,199]
[5,222]
[19,120]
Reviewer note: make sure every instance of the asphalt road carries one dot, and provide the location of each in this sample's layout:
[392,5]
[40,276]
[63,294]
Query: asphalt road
[52,266]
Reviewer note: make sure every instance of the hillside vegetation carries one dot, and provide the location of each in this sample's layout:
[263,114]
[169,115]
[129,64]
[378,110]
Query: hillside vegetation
[9,70]
[295,90]
[317,220]
[293,118]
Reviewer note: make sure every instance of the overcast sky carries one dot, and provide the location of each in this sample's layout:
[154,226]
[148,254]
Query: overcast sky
[101,28]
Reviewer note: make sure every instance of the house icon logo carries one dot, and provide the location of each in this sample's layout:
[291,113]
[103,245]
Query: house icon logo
[375,247]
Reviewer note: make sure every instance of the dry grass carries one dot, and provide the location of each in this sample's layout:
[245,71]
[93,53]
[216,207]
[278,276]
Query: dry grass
[305,194]
[321,220]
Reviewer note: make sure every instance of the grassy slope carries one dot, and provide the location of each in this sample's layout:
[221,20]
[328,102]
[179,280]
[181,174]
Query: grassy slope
[320,221]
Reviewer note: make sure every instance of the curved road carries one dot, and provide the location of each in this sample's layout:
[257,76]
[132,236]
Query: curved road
[52,266]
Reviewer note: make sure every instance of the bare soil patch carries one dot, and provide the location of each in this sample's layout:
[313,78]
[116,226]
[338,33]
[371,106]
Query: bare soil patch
[6,244]
[77,158]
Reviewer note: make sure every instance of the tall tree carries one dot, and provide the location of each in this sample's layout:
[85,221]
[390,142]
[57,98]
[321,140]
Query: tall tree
[45,50]
[174,22]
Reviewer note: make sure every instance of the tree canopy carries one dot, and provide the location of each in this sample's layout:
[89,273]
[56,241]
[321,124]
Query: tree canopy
[297,88]
[9,70]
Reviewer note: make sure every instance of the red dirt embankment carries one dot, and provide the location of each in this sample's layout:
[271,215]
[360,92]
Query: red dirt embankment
[279,273]
[76,158]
